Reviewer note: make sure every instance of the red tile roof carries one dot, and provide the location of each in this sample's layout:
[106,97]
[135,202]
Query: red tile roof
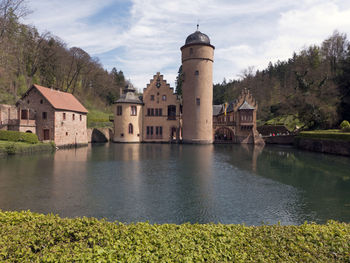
[61,100]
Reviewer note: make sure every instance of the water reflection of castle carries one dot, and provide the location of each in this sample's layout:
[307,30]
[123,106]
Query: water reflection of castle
[160,115]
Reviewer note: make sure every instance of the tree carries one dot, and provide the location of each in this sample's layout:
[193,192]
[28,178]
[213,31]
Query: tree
[179,81]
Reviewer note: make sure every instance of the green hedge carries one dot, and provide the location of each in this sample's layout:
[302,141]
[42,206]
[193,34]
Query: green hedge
[30,237]
[15,136]
[326,135]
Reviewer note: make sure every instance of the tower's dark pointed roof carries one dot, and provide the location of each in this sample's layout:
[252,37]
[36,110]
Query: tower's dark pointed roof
[129,95]
[197,38]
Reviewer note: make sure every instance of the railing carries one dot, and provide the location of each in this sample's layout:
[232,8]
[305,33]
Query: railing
[18,122]
[228,123]
[26,122]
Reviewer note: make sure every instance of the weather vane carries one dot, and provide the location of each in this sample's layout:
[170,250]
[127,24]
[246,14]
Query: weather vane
[197,25]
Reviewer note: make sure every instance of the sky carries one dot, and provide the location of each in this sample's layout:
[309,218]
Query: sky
[143,37]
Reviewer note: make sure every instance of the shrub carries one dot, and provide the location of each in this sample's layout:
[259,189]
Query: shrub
[15,136]
[31,237]
[10,149]
[345,126]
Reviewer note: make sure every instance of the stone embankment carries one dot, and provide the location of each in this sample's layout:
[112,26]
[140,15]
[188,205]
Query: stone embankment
[323,146]
[280,139]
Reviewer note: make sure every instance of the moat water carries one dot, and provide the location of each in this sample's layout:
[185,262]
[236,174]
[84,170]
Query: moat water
[163,183]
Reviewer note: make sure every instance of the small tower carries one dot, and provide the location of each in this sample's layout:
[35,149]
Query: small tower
[197,88]
[128,116]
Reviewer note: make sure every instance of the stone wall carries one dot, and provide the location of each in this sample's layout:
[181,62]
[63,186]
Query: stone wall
[70,128]
[281,139]
[323,146]
[35,101]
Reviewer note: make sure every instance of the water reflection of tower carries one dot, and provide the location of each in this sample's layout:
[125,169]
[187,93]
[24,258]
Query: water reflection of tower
[198,200]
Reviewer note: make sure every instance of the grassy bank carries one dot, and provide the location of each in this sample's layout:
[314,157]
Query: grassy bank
[337,135]
[8,147]
[98,119]
[30,237]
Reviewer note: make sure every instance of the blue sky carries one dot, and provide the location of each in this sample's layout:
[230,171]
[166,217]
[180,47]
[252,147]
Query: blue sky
[142,37]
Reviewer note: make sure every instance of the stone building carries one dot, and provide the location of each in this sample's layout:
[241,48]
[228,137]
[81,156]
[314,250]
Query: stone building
[51,114]
[235,122]
[161,114]
[128,116]
[8,117]
[197,88]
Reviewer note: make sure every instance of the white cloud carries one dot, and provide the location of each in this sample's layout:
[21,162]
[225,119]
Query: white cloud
[249,33]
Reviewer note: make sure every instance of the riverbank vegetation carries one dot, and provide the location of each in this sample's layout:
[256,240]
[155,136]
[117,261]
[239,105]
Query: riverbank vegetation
[14,142]
[99,119]
[337,135]
[10,148]
[28,57]
[27,236]
[313,84]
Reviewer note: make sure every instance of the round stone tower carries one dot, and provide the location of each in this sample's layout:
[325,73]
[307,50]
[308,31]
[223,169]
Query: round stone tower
[128,116]
[197,88]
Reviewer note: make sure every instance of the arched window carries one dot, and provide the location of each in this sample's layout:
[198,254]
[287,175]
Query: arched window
[131,129]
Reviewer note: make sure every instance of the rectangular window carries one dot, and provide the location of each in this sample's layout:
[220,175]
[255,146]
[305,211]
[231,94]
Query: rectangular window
[156,112]
[198,101]
[151,130]
[160,112]
[80,117]
[152,97]
[152,112]
[73,117]
[24,114]
[157,130]
[164,98]
[44,115]
[64,116]
[160,130]
[148,130]
[133,111]
[149,112]
[119,110]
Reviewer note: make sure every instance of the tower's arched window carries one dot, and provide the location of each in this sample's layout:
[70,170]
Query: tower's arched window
[131,129]
[196,73]
[191,51]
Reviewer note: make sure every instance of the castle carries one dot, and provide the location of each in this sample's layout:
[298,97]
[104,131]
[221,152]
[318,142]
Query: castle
[160,115]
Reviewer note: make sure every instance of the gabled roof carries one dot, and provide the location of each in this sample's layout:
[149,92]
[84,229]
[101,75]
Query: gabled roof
[217,109]
[60,100]
[246,106]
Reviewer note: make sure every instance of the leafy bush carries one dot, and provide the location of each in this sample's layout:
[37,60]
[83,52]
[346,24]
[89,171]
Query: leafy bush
[15,136]
[30,237]
[345,126]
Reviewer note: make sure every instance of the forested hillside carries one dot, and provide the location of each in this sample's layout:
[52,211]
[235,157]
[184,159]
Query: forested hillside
[28,57]
[313,85]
